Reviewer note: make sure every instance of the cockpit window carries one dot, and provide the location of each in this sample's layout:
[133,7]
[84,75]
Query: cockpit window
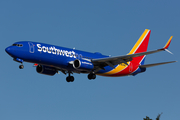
[14,44]
[19,45]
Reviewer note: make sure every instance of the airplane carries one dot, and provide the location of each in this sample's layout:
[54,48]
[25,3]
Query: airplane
[50,59]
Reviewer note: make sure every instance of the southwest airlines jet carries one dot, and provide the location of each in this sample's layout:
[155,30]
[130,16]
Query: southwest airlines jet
[50,59]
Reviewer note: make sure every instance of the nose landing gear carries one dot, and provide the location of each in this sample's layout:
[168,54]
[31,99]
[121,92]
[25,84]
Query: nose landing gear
[20,61]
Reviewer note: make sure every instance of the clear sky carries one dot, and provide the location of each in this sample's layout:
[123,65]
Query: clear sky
[108,26]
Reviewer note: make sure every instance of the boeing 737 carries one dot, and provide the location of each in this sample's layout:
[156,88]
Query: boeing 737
[50,59]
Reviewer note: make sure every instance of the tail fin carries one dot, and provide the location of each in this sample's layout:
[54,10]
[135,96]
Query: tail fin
[141,46]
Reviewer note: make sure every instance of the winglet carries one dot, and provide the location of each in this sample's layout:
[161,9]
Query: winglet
[168,43]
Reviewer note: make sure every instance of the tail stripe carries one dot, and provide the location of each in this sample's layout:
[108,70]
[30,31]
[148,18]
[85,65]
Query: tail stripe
[140,41]
[140,46]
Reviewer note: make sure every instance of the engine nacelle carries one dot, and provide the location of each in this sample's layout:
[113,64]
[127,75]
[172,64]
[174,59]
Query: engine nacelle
[46,70]
[83,65]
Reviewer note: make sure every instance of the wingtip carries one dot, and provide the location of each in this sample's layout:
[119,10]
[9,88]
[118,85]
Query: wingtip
[173,61]
[168,43]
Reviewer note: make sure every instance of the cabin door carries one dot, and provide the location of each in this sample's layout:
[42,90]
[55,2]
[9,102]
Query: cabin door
[31,47]
[130,67]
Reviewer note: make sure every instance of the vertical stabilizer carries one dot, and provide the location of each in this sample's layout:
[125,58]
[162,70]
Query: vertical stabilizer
[141,46]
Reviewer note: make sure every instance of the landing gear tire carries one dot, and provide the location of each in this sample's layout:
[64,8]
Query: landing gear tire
[92,76]
[21,66]
[70,79]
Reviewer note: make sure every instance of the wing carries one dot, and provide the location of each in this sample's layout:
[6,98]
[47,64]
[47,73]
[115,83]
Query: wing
[155,64]
[112,61]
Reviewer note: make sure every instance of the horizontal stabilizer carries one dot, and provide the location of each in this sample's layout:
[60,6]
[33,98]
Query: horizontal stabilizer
[155,64]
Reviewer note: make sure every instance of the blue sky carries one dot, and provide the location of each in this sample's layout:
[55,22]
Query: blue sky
[110,27]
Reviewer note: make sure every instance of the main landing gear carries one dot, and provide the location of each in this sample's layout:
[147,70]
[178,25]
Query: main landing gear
[69,78]
[91,76]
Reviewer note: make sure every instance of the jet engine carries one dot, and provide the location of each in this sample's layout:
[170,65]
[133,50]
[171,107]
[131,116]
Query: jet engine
[83,65]
[46,70]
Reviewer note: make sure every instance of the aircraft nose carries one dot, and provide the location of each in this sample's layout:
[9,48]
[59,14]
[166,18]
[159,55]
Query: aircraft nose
[8,50]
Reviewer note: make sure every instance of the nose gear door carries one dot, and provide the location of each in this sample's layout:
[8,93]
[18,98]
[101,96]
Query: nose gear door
[31,47]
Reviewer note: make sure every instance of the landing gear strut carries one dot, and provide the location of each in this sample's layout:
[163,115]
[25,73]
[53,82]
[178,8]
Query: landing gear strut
[91,76]
[20,61]
[69,78]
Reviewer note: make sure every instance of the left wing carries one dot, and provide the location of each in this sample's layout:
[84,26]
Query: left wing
[111,61]
[155,64]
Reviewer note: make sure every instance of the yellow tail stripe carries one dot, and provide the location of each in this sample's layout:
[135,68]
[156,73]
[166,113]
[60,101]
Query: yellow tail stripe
[119,68]
[139,41]
[122,66]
